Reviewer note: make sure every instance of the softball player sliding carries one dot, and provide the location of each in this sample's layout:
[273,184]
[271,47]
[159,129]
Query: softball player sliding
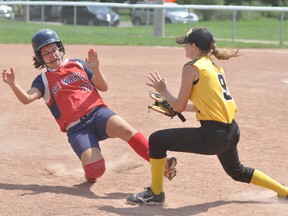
[204,84]
[70,90]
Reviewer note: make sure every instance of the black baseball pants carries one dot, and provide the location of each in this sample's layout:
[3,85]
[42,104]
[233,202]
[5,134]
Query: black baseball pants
[212,138]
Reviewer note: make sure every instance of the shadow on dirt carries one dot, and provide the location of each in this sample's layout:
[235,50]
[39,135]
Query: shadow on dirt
[183,211]
[82,190]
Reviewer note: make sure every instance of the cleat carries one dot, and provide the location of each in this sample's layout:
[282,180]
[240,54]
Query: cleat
[90,180]
[170,170]
[147,197]
[282,198]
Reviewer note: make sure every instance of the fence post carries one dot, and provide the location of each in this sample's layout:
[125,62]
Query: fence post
[281,27]
[159,20]
[234,26]
[75,18]
[148,22]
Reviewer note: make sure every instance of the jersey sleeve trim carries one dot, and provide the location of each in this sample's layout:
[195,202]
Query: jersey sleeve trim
[38,83]
[46,95]
[82,63]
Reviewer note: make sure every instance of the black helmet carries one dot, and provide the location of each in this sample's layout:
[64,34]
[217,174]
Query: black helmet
[43,38]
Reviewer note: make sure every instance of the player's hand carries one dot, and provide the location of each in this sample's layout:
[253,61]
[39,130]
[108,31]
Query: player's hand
[8,76]
[92,60]
[157,82]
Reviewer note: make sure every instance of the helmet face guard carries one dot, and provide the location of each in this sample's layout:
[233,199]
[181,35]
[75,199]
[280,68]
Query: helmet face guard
[43,38]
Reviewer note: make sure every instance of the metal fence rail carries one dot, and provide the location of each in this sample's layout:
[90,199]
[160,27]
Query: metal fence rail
[234,9]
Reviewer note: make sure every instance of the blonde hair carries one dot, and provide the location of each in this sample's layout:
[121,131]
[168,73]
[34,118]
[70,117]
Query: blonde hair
[223,54]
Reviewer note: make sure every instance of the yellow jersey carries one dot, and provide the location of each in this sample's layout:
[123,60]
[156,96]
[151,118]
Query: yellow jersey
[210,95]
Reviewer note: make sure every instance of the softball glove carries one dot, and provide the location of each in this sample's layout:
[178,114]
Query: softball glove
[162,106]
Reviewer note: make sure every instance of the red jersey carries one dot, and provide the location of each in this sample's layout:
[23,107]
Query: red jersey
[68,91]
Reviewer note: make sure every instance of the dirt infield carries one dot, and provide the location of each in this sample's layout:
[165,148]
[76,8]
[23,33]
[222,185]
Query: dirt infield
[40,175]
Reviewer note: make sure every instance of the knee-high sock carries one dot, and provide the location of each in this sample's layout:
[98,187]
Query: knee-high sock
[261,179]
[140,145]
[157,170]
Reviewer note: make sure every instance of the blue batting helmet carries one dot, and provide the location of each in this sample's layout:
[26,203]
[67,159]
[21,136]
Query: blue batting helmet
[43,38]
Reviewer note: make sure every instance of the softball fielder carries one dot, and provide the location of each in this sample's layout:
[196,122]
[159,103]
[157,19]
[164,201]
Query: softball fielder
[70,89]
[203,83]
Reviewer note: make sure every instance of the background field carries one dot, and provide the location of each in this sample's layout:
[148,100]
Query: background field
[255,33]
[40,175]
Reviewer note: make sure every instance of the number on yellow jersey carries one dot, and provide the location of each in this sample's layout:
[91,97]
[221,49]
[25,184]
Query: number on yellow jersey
[225,92]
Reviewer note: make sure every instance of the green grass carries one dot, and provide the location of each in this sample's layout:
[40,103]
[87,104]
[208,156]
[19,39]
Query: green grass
[262,29]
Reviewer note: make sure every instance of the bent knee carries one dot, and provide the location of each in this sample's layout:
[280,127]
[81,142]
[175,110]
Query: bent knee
[157,147]
[95,170]
[242,175]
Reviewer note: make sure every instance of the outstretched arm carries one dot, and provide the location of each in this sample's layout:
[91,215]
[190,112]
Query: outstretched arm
[98,80]
[8,77]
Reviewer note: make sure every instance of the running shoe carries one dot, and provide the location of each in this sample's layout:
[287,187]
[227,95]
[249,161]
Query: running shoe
[147,197]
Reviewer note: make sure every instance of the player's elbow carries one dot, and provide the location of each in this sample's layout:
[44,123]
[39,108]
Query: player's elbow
[104,88]
[179,108]
[25,102]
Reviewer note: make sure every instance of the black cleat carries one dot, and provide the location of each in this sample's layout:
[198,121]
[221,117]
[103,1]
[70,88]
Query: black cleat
[147,197]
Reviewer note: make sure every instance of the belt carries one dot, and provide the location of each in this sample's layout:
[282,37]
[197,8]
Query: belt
[216,124]
[71,124]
